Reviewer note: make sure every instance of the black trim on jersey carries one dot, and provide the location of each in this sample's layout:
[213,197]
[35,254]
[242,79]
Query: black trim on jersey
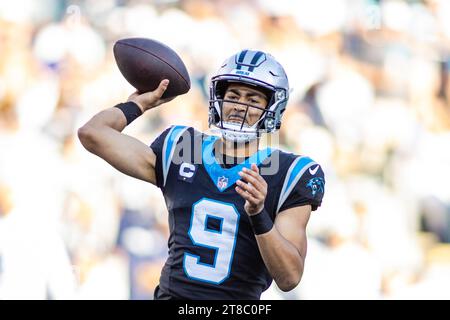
[302,194]
[248,276]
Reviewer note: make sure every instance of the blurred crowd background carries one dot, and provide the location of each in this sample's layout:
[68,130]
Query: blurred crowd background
[370,102]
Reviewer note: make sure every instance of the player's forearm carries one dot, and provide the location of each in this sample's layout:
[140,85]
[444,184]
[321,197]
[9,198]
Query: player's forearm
[111,117]
[282,259]
[102,136]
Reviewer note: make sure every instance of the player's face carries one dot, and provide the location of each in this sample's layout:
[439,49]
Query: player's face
[235,112]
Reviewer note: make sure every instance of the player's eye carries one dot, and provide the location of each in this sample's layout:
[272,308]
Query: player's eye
[254,101]
[232,97]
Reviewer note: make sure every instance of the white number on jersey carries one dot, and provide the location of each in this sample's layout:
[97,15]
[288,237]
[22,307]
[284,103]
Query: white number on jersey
[223,241]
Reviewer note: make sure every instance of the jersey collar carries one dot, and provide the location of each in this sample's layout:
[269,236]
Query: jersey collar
[224,178]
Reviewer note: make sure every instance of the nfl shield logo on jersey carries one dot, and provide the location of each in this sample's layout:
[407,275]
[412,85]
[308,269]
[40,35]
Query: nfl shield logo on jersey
[222,183]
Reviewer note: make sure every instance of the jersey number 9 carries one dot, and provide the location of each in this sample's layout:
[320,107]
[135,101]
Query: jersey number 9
[223,240]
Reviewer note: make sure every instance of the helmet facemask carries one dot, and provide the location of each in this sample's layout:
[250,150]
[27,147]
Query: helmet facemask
[267,76]
[241,132]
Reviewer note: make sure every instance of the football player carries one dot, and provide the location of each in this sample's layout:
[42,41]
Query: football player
[237,213]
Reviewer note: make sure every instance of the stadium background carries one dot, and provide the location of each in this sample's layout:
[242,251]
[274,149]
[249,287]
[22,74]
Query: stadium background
[370,103]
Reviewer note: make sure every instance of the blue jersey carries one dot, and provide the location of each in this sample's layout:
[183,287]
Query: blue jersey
[213,253]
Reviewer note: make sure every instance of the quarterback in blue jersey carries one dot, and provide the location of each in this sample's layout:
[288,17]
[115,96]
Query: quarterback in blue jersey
[237,213]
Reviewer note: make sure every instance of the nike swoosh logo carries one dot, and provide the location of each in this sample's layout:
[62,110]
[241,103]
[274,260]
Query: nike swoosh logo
[313,171]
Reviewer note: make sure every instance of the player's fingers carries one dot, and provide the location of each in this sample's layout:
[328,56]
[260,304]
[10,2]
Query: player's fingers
[247,196]
[250,189]
[151,99]
[254,172]
[251,179]
[153,96]
[161,89]
[250,172]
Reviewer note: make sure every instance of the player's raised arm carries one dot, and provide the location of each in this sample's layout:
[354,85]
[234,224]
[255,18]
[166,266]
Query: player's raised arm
[102,135]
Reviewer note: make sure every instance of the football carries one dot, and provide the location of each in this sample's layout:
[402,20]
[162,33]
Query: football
[145,63]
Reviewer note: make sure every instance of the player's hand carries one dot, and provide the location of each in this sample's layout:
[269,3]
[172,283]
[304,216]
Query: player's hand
[253,188]
[152,99]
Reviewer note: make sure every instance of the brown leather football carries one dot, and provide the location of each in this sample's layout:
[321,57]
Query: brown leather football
[145,62]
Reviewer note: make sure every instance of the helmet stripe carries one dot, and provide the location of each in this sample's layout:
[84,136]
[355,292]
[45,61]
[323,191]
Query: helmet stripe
[255,60]
[241,59]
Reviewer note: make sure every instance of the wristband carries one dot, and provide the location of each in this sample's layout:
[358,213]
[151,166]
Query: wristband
[261,222]
[131,110]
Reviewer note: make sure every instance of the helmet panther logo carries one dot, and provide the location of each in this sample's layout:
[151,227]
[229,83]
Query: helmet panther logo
[316,185]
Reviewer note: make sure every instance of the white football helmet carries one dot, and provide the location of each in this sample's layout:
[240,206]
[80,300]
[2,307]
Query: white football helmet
[254,68]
